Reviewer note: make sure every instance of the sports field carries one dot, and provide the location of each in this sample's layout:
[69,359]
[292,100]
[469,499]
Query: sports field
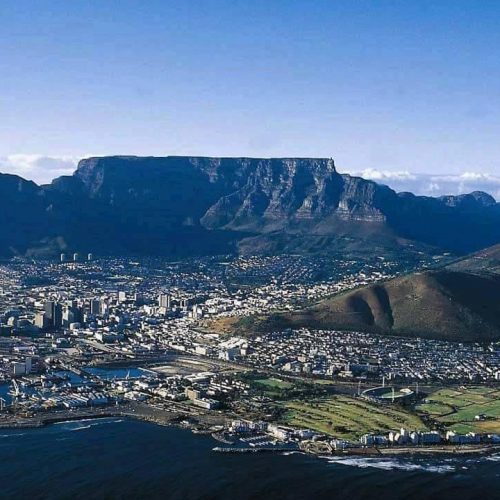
[457,408]
[348,417]
[271,383]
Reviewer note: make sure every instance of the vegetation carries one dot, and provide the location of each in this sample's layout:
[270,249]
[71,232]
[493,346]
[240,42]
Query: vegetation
[284,389]
[274,383]
[456,409]
[347,417]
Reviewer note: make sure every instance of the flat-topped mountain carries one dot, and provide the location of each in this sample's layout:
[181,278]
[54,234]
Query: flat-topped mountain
[197,205]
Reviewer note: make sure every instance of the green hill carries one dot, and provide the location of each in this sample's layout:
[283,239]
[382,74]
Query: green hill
[485,261]
[444,304]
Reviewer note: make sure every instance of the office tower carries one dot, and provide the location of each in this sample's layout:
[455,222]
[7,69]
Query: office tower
[77,311]
[164,300]
[139,299]
[95,307]
[41,320]
[28,365]
[54,314]
[72,313]
[104,307]
[67,317]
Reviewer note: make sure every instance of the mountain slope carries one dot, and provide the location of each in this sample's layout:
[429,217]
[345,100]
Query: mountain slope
[179,206]
[440,304]
[485,261]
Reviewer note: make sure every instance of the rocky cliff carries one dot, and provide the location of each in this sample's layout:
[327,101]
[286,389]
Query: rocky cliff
[198,205]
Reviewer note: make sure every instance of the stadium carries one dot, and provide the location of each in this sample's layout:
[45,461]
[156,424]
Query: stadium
[386,395]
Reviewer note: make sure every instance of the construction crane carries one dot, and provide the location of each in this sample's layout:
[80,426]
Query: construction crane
[15,389]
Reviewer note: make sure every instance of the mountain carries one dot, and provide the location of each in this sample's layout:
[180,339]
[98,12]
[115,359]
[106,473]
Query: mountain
[196,205]
[486,261]
[444,304]
[458,302]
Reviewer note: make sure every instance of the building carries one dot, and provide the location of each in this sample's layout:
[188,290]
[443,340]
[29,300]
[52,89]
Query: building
[192,394]
[208,404]
[165,300]
[41,320]
[54,314]
[95,307]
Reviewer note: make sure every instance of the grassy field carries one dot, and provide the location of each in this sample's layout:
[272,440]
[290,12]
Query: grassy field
[456,408]
[347,417]
[274,383]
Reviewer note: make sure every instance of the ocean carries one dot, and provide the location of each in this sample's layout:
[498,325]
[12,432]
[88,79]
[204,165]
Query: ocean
[120,458]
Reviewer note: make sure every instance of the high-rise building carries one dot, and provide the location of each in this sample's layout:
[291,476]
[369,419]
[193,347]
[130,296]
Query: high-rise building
[95,307]
[63,257]
[76,257]
[72,313]
[54,314]
[165,300]
[139,299]
[41,320]
[89,257]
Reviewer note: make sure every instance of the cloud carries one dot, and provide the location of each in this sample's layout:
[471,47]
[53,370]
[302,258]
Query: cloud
[435,184]
[39,168]
[398,175]
[43,169]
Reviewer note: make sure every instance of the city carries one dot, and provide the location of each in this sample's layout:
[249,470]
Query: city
[85,337]
[249,250]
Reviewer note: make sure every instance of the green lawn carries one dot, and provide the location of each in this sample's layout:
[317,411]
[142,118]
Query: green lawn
[348,417]
[456,408]
[274,383]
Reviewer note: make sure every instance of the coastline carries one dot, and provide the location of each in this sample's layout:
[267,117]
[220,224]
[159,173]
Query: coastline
[204,423]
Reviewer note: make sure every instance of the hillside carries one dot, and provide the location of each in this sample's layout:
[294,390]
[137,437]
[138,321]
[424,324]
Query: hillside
[443,304]
[485,261]
[180,206]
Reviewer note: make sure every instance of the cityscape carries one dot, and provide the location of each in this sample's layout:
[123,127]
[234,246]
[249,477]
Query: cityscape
[86,338]
[249,250]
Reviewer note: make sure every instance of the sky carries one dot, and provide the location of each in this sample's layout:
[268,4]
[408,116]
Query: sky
[403,92]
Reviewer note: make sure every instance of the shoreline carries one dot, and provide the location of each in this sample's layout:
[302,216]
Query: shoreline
[147,414]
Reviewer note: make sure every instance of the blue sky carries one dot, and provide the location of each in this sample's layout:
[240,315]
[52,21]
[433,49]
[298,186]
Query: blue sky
[389,89]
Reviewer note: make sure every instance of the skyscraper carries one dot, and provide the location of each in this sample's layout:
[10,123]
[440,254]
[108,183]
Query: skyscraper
[164,300]
[54,314]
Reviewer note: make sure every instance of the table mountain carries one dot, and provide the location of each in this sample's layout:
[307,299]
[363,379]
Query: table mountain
[196,205]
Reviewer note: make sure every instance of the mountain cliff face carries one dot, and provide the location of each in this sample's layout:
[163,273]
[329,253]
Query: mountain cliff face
[197,205]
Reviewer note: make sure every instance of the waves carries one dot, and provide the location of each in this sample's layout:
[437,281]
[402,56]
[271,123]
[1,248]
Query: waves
[54,462]
[6,436]
[76,425]
[390,464]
